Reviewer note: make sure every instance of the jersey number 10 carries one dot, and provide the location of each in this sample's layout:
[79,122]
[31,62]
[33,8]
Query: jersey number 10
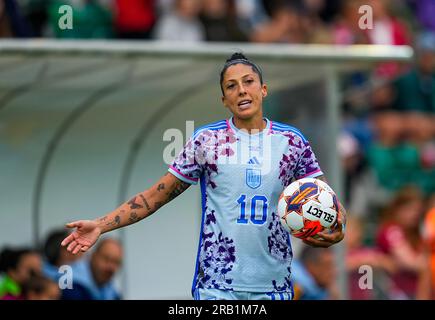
[253,204]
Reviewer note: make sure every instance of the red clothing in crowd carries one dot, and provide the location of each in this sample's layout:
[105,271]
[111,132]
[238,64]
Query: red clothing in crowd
[134,15]
[404,281]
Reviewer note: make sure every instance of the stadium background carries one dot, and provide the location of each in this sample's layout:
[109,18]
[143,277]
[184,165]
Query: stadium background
[82,122]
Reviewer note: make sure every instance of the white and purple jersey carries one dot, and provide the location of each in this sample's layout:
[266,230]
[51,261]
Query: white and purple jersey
[242,245]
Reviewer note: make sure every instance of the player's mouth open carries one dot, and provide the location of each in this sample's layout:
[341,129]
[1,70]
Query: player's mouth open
[244,104]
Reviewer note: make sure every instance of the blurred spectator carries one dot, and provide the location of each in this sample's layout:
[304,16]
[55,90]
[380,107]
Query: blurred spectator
[92,19]
[55,255]
[134,19]
[285,26]
[346,30]
[351,157]
[5,27]
[394,162]
[416,89]
[40,288]
[182,23]
[35,13]
[387,30]
[377,153]
[399,237]
[383,96]
[403,151]
[220,21]
[164,6]
[313,14]
[314,274]
[18,265]
[429,236]
[250,14]
[425,11]
[93,278]
[358,254]
[12,22]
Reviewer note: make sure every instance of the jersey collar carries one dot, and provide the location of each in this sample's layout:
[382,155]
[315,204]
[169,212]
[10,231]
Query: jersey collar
[232,126]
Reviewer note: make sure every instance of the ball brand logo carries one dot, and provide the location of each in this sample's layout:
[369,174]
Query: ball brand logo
[306,207]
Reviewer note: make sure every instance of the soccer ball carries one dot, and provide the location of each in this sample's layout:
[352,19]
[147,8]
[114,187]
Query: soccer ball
[307,206]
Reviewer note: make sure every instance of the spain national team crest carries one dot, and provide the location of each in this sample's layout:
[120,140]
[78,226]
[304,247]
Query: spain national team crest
[253,178]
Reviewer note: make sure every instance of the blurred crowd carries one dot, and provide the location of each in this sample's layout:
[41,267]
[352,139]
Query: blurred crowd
[387,141]
[285,21]
[50,272]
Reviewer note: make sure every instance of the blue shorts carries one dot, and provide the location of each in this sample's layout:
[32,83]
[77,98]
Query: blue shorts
[217,294]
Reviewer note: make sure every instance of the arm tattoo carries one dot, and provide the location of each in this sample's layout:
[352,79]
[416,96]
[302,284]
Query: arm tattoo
[103,219]
[180,187]
[133,204]
[145,202]
[117,220]
[134,217]
[115,223]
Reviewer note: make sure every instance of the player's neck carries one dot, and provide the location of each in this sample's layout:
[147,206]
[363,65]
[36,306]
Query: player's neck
[256,125]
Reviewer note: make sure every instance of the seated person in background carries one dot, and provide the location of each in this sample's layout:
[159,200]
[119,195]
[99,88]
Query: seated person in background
[400,238]
[93,278]
[181,23]
[314,274]
[416,89]
[40,288]
[55,255]
[357,255]
[220,21]
[18,265]
[429,237]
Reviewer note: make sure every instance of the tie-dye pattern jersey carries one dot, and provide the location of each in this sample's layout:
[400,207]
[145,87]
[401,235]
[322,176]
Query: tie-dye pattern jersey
[242,244]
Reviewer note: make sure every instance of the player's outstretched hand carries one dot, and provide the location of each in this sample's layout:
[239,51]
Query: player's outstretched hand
[327,239]
[83,237]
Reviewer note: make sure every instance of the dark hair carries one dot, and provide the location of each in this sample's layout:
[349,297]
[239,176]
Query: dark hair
[51,248]
[239,58]
[36,284]
[10,258]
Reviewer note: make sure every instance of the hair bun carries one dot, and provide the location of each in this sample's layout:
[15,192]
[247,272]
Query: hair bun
[237,56]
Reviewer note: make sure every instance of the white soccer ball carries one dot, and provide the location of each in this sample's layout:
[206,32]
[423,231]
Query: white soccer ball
[308,206]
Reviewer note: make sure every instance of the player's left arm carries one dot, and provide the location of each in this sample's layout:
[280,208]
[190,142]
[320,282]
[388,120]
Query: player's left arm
[328,239]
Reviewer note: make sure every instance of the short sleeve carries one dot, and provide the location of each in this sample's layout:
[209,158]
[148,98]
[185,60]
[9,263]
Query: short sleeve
[185,166]
[307,165]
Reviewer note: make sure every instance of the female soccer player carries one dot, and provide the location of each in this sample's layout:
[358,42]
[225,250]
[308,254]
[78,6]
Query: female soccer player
[243,253]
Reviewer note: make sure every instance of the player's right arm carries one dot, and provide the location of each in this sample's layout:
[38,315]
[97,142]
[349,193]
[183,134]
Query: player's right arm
[139,207]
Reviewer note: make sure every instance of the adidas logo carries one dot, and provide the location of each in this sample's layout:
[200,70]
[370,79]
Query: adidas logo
[254,160]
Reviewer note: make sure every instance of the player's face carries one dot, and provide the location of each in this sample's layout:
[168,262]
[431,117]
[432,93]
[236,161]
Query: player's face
[243,92]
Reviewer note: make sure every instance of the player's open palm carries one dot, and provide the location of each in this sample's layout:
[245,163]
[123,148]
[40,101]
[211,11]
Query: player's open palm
[83,237]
